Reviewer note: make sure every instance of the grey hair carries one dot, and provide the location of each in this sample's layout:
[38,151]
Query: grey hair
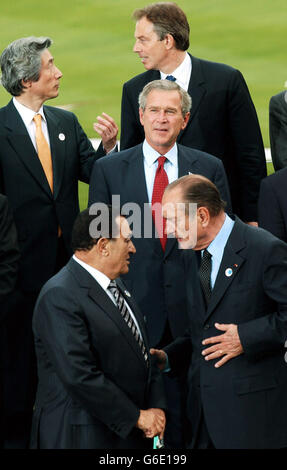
[21,61]
[165,85]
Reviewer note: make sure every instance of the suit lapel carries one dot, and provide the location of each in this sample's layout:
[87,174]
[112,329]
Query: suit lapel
[135,311]
[58,148]
[21,142]
[99,296]
[230,265]
[196,90]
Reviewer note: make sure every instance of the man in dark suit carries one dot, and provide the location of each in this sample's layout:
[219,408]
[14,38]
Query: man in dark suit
[9,253]
[237,297]
[223,120]
[272,204]
[9,258]
[155,278]
[278,129]
[43,153]
[98,388]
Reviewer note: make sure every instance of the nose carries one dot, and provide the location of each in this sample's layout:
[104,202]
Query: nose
[132,248]
[136,47]
[161,116]
[169,227]
[58,73]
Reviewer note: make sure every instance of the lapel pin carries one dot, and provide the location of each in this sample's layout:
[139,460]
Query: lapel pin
[62,136]
[228,272]
[235,265]
[127,293]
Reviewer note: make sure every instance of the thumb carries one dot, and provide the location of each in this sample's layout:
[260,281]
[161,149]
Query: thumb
[221,326]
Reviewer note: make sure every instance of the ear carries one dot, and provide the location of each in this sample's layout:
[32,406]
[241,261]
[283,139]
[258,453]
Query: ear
[203,216]
[185,121]
[26,83]
[103,246]
[141,114]
[169,42]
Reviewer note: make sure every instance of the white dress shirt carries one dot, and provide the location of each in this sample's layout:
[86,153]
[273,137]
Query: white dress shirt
[27,116]
[151,164]
[104,282]
[182,73]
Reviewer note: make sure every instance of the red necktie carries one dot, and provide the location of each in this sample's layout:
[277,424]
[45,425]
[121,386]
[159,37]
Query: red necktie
[160,183]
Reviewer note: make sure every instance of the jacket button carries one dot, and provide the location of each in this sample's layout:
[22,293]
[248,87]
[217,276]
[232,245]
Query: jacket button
[206,327]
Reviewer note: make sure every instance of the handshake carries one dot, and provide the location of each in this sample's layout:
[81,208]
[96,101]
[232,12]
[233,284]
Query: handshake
[152,422]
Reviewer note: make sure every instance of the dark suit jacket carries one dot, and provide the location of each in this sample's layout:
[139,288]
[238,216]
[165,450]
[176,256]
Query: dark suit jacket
[93,378]
[155,278]
[244,401]
[223,122]
[278,129]
[37,212]
[272,204]
[9,251]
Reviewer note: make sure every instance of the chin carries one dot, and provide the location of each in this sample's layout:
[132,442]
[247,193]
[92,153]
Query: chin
[185,244]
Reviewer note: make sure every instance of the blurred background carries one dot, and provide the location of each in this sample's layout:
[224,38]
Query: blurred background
[93,43]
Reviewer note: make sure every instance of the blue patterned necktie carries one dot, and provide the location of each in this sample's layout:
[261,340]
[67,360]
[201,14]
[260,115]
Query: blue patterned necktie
[171,78]
[113,288]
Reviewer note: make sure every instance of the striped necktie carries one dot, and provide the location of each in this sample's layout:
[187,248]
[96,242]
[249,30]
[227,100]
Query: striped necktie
[113,288]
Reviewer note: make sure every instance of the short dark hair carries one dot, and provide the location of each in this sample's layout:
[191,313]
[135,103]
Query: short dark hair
[199,190]
[21,61]
[85,235]
[167,18]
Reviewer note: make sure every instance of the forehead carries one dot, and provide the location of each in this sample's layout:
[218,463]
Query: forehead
[164,98]
[144,27]
[123,226]
[173,196]
[46,56]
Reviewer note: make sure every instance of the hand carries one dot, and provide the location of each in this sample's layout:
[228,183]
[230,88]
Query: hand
[253,224]
[152,422]
[227,345]
[161,357]
[108,131]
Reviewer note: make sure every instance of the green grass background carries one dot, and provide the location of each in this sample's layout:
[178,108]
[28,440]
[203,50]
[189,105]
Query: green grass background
[93,43]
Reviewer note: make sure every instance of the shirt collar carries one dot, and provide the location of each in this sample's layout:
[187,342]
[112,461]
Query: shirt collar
[151,155]
[27,114]
[182,72]
[217,246]
[100,277]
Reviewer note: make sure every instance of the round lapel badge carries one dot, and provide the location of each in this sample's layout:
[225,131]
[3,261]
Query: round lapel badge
[127,293]
[228,272]
[62,136]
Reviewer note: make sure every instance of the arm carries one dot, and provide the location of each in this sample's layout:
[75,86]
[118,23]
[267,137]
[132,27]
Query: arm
[131,130]
[61,330]
[86,152]
[268,333]
[270,216]
[9,251]
[99,189]
[278,130]
[248,145]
